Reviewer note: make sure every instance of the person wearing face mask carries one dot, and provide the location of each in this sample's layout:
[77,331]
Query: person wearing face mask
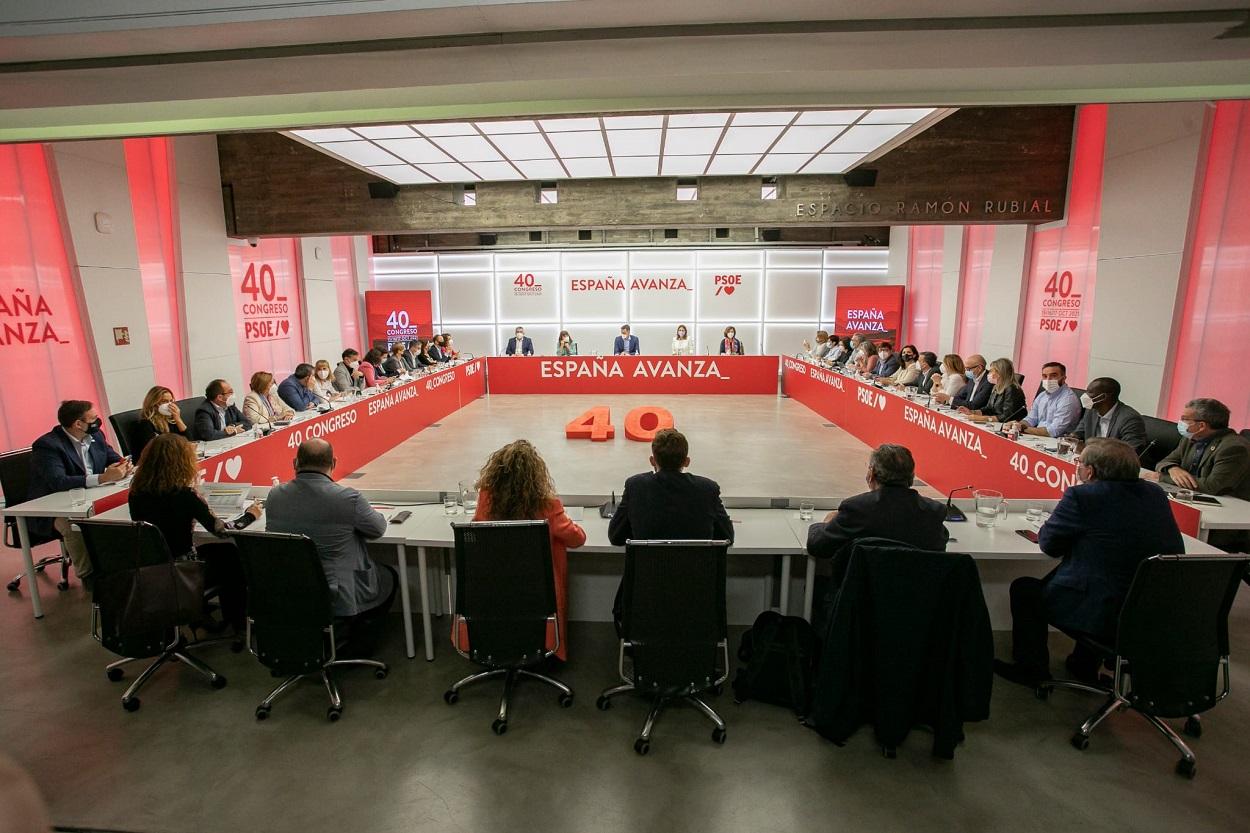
[822,349]
[159,415]
[953,379]
[890,508]
[625,343]
[297,390]
[1102,529]
[564,344]
[347,374]
[887,361]
[681,343]
[1056,410]
[218,417]
[975,393]
[261,405]
[866,357]
[519,344]
[730,344]
[409,356]
[323,385]
[1106,416]
[1006,397]
[930,372]
[73,455]
[908,371]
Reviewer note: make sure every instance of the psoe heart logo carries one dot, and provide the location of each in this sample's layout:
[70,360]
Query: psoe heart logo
[872,398]
[726,283]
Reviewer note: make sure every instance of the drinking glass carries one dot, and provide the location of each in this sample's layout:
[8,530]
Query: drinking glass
[1033,512]
[990,508]
[1185,495]
[468,497]
[78,498]
[806,508]
[450,504]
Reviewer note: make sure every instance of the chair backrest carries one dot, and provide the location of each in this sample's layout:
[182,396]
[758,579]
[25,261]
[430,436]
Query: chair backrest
[288,600]
[15,485]
[1174,630]
[505,589]
[1163,434]
[124,425]
[1245,433]
[187,407]
[673,611]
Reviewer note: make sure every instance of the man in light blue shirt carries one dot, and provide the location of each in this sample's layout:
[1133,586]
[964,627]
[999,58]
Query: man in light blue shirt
[1056,411]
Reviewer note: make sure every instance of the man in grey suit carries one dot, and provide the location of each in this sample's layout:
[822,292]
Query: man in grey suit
[1106,416]
[340,521]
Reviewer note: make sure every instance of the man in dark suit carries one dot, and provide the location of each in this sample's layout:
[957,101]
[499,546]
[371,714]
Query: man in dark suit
[218,417]
[1106,416]
[625,343]
[409,356]
[975,395]
[1102,528]
[519,344]
[668,502]
[890,508]
[73,455]
[1211,458]
[887,360]
[296,389]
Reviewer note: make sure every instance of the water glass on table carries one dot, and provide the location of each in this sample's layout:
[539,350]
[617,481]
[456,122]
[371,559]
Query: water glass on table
[1033,513]
[806,509]
[451,505]
[77,498]
[990,508]
[468,497]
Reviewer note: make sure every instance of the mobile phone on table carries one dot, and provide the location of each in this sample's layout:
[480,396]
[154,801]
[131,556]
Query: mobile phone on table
[1028,535]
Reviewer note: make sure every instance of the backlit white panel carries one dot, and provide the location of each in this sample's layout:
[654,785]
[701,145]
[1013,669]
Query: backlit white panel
[617,261]
[691,141]
[748,139]
[579,143]
[698,120]
[865,138]
[806,139]
[595,295]
[523,146]
[634,142]
[832,163]
[795,259]
[559,125]
[828,117]
[469,148]
[787,339]
[402,264]
[531,295]
[478,339]
[663,259]
[362,153]
[402,174]
[637,165]
[711,334]
[541,169]
[527,261]
[792,294]
[466,298]
[683,165]
[497,171]
[454,128]
[451,172]
[632,122]
[661,294]
[588,168]
[415,150]
[763,118]
[730,294]
[733,164]
[386,131]
[328,134]
[780,163]
[730,258]
[900,115]
[465,263]
[855,257]
[522,126]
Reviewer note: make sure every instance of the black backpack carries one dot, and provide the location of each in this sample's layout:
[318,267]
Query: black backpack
[780,655]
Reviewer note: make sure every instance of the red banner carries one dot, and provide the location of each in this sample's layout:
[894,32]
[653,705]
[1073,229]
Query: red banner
[950,453]
[268,306]
[634,374]
[869,309]
[399,315]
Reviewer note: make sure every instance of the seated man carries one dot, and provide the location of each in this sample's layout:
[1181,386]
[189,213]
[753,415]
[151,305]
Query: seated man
[340,521]
[520,344]
[347,374]
[296,390]
[625,343]
[1056,410]
[218,417]
[976,393]
[1102,528]
[1211,458]
[668,503]
[887,360]
[1106,416]
[73,455]
[890,508]
[410,356]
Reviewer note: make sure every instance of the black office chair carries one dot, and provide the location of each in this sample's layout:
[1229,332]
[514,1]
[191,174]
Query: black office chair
[505,601]
[1245,433]
[132,566]
[1171,647]
[15,483]
[1161,438]
[673,627]
[290,619]
[187,407]
[124,425]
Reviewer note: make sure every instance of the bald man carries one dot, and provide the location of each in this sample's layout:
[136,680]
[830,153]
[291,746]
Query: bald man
[1106,416]
[976,393]
[340,521]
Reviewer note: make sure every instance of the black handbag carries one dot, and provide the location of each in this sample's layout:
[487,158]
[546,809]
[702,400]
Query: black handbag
[154,597]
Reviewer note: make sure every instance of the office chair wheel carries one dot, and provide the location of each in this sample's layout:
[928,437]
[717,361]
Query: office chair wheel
[62,585]
[451,697]
[13,585]
[333,714]
[217,681]
[380,674]
[1186,768]
[115,674]
[603,703]
[642,746]
[718,735]
[499,727]
[566,701]
[262,712]
[1193,727]
[1080,742]
[131,705]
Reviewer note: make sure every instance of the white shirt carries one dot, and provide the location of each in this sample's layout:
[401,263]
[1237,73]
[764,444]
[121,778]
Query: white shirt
[83,445]
[1104,422]
[681,346]
[953,383]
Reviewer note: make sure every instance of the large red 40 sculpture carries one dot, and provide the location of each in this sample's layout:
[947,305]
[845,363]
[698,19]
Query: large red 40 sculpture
[641,424]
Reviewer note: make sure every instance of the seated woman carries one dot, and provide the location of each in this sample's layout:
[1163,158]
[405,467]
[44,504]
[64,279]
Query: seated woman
[564,344]
[323,380]
[731,344]
[159,415]
[262,406]
[371,366]
[393,364]
[823,347]
[681,341]
[449,349]
[908,373]
[515,485]
[842,353]
[1006,399]
[163,494]
[954,377]
[424,359]
[866,357]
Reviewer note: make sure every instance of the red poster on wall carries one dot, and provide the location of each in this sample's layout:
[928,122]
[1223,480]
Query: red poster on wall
[870,309]
[399,315]
[268,306]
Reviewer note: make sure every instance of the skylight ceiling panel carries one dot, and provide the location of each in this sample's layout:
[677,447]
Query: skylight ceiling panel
[683,165]
[361,152]
[897,115]
[402,174]
[731,164]
[450,172]
[541,169]
[763,118]
[829,117]
[634,142]
[636,165]
[386,131]
[748,139]
[689,141]
[418,151]
[865,138]
[578,144]
[469,149]
[832,163]
[565,125]
[322,135]
[491,128]
[447,128]
[806,139]
[497,171]
[782,163]
[632,122]
[518,146]
[588,168]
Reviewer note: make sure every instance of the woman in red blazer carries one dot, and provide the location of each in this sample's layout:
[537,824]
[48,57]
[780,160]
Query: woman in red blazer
[515,485]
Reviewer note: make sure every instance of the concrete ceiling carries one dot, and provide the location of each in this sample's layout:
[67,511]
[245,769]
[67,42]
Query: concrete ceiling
[69,70]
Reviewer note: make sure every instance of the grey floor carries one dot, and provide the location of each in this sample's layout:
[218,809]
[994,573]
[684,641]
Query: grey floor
[194,759]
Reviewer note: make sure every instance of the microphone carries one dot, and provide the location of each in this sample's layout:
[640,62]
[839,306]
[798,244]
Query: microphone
[1015,413]
[1141,455]
[953,512]
[607,510]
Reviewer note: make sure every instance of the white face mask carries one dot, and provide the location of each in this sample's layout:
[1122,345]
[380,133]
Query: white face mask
[164,409]
[520,335]
[230,401]
[1088,401]
[323,375]
[353,365]
[1050,385]
[883,355]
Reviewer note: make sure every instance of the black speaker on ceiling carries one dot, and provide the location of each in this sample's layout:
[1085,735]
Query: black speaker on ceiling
[861,177]
[584,234]
[536,237]
[770,235]
[383,190]
[487,239]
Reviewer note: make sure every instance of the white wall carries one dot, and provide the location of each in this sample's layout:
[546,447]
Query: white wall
[212,342]
[1149,168]
[952,269]
[321,302]
[1004,293]
[92,180]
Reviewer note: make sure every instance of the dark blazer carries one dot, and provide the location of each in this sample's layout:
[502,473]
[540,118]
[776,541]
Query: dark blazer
[734,348]
[294,394]
[1126,424]
[1102,531]
[525,348]
[436,353]
[1010,405]
[620,345]
[144,432]
[410,360]
[669,504]
[1224,468]
[895,512]
[56,467]
[976,394]
[888,367]
[208,425]
[925,383]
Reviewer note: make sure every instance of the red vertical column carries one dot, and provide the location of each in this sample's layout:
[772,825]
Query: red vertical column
[974,281]
[924,285]
[346,289]
[268,306]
